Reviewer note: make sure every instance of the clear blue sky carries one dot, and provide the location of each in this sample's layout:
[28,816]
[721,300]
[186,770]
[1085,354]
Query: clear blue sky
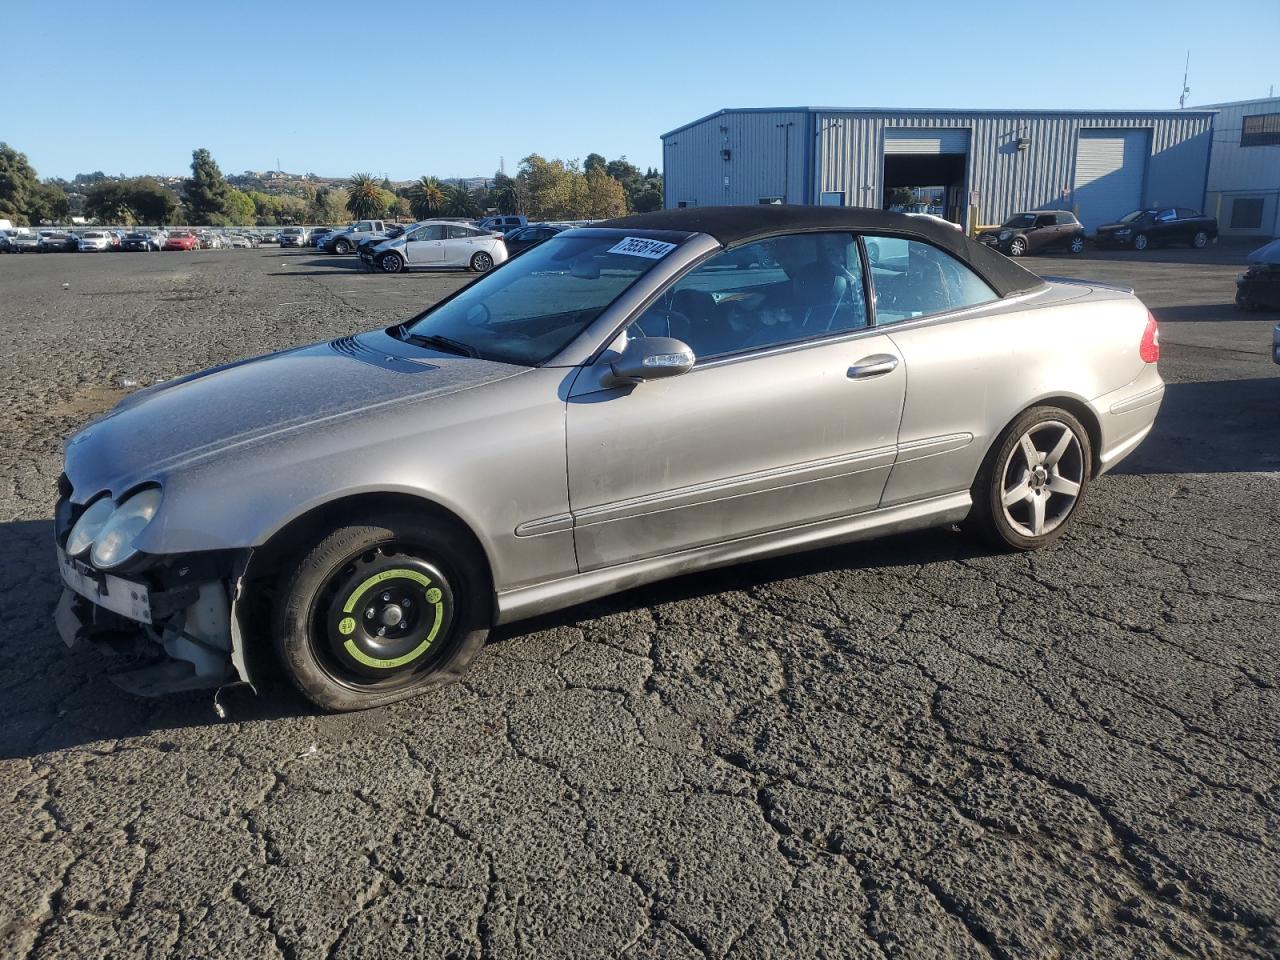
[446,89]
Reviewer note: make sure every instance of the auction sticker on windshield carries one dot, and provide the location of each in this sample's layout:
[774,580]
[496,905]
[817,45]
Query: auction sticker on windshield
[640,247]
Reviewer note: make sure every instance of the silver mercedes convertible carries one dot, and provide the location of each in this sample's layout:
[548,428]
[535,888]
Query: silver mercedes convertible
[634,400]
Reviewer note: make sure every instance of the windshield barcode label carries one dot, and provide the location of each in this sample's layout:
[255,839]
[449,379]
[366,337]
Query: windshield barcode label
[640,247]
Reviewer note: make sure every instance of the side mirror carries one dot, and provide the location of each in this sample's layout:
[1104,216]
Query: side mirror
[650,358]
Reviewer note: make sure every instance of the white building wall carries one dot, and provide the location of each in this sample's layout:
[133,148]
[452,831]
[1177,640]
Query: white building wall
[1237,172]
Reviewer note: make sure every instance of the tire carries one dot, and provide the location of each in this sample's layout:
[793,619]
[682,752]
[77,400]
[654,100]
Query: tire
[1200,240]
[319,630]
[1140,242]
[1011,501]
[342,247]
[1077,245]
[1017,247]
[391,263]
[482,262]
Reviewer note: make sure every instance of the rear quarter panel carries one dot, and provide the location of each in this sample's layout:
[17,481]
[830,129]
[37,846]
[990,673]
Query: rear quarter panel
[971,375]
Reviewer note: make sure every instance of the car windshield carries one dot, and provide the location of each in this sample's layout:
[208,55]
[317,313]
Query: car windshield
[529,310]
[1021,220]
[1135,215]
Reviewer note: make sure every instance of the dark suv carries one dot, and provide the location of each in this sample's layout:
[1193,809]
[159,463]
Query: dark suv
[1154,226]
[1036,231]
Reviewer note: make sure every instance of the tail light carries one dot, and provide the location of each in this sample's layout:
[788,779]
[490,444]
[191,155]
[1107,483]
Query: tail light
[1149,349]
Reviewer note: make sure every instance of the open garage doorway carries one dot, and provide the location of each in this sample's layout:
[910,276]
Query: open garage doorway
[930,163]
[936,181]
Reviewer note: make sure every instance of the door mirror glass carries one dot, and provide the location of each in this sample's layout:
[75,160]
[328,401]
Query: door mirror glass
[651,358]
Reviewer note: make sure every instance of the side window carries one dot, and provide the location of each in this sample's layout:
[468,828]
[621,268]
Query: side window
[432,231]
[914,279]
[1186,213]
[783,290]
[459,233]
[1166,216]
[1066,220]
[1045,220]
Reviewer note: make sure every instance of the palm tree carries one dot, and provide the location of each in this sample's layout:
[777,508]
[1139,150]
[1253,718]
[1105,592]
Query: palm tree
[364,197]
[426,198]
[460,202]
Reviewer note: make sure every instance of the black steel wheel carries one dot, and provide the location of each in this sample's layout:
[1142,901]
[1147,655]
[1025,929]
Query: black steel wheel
[383,610]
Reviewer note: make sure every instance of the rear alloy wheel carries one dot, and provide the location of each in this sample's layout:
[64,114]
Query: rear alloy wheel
[391,263]
[1032,480]
[1200,240]
[380,611]
[1140,242]
[482,263]
[1077,244]
[1017,247]
[342,247]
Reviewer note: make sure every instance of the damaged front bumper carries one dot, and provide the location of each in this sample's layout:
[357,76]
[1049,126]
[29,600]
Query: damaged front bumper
[173,622]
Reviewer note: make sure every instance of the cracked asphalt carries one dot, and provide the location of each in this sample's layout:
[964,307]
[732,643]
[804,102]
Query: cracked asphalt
[906,748]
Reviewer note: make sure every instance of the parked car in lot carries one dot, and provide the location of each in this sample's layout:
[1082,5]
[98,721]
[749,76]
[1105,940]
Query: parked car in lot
[1258,288]
[293,237]
[608,409]
[181,240]
[346,240]
[504,223]
[239,240]
[1036,231]
[6,245]
[94,241]
[23,241]
[1158,226]
[436,244]
[56,241]
[371,241]
[525,238]
[141,240]
[318,236]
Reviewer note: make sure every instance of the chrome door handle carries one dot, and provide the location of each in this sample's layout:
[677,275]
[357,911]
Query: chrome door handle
[876,365]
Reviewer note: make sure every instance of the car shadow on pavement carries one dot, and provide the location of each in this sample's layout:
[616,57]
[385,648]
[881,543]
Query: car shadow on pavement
[1215,426]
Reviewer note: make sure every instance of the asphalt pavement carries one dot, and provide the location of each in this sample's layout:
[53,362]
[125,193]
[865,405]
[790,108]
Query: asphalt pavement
[911,747]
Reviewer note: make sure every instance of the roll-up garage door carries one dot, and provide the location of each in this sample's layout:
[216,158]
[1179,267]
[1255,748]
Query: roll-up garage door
[926,139]
[1110,165]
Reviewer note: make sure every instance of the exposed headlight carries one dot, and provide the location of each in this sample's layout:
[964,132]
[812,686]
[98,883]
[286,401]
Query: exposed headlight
[1123,232]
[1006,234]
[114,543]
[89,526]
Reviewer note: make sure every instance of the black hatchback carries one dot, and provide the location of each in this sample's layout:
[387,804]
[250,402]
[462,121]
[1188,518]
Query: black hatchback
[1036,231]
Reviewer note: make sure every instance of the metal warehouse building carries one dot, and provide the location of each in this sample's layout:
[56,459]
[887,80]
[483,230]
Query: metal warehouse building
[981,165]
[1244,170]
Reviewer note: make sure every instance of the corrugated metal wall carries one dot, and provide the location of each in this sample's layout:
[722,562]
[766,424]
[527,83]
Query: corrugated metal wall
[694,169]
[842,151]
[850,150]
[1237,172]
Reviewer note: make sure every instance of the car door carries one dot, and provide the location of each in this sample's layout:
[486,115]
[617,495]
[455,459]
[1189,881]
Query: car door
[459,245]
[1043,236]
[424,247]
[789,417]
[1165,227]
[959,365]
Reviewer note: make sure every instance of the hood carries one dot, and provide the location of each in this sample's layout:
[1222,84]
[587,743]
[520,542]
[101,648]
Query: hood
[1268,253]
[179,423]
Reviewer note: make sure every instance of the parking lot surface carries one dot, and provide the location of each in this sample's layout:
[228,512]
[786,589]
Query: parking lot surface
[912,747]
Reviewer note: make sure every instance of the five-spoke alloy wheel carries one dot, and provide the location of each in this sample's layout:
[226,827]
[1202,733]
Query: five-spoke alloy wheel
[1032,480]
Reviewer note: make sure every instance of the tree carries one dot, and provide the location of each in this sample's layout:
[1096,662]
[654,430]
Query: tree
[426,198]
[239,210]
[48,203]
[330,206]
[594,161]
[605,196]
[506,195]
[460,202]
[18,184]
[107,201]
[364,197]
[152,202]
[552,189]
[206,190]
[901,197]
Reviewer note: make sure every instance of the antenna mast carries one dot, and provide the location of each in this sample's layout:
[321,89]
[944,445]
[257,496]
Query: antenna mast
[1182,100]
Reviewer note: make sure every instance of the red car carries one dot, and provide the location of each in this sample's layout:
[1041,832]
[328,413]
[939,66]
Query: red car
[182,241]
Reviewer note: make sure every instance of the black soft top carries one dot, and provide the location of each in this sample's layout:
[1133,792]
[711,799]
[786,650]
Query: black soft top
[735,225]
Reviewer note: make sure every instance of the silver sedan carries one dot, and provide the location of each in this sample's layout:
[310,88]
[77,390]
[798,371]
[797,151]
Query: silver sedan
[625,402]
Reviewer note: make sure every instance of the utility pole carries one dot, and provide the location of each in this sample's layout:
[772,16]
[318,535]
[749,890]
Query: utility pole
[1182,100]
